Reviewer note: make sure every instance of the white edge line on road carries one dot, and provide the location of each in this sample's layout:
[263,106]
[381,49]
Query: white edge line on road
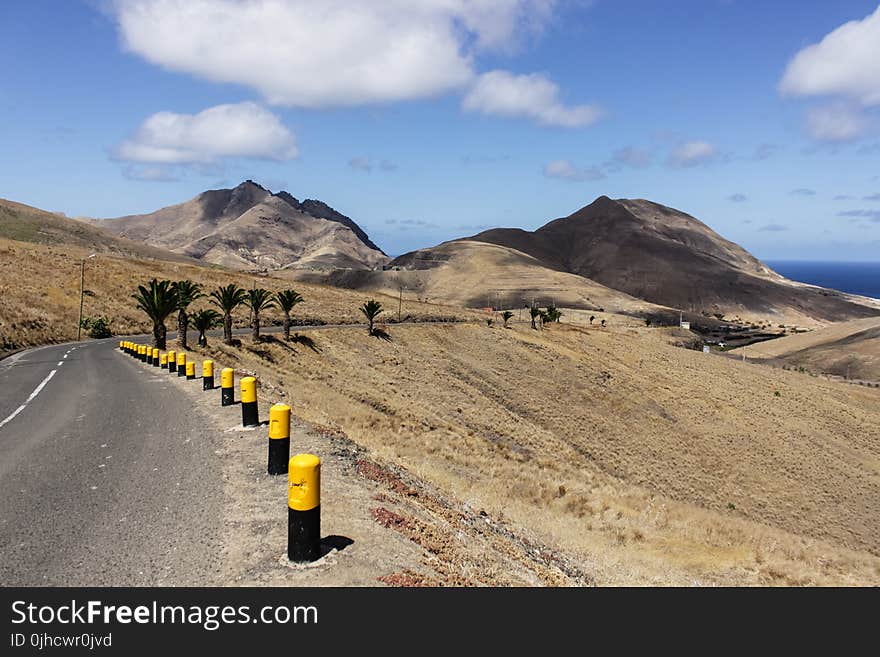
[60,363]
[29,399]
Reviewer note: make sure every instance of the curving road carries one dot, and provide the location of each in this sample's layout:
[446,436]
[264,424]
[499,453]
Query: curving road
[107,477]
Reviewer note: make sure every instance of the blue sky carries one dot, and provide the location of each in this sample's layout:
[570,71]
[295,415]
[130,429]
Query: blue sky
[434,119]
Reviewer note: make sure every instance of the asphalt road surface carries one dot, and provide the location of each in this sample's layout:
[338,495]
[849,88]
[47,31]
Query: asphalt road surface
[107,478]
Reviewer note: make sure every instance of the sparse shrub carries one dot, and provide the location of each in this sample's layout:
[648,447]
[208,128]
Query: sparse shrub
[603,323]
[776,393]
[489,322]
[551,314]
[647,321]
[731,506]
[98,327]
[506,315]
[592,318]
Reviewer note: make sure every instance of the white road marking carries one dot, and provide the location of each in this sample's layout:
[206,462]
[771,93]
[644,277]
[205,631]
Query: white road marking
[60,363]
[29,399]
[65,355]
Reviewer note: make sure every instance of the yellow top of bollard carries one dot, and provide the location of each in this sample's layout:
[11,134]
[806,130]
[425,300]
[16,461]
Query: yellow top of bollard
[207,368]
[171,354]
[164,359]
[181,358]
[279,421]
[155,353]
[304,482]
[190,368]
[227,374]
[248,390]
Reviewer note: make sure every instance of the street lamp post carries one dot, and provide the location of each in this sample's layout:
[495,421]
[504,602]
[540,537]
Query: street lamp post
[82,280]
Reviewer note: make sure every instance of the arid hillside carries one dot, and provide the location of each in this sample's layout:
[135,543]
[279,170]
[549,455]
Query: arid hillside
[28,224]
[478,274]
[844,349]
[39,304]
[249,227]
[641,462]
[670,258]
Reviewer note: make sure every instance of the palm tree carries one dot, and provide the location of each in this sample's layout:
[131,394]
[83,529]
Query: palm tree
[227,299]
[370,310]
[506,315]
[205,320]
[286,301]
[157,300]
[258,299]
[535,312]
[186,292]
[592,317]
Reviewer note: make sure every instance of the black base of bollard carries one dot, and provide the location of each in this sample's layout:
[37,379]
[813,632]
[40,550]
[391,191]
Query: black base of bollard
[149,360]
[181,371]
[172,367]
[227,396]
[190,377]
[279,455]
[249,414]
[164,366]
[207,383]
[304,534]
[155,362]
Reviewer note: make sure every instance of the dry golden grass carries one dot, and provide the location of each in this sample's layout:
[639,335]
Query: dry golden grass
[39,294]
[650,464]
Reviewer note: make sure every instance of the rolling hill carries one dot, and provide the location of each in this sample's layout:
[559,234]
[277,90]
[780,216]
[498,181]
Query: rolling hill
[670,258]
[249,227]
[24,223]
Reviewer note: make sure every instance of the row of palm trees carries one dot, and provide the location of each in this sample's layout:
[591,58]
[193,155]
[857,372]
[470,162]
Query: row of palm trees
[160,299]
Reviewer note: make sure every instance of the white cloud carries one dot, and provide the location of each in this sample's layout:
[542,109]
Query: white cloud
[633,157]
[335,52]
[243,130]
[692,153]
[530,96]
[565,170]
[361,164]
[836,122]
[844,63]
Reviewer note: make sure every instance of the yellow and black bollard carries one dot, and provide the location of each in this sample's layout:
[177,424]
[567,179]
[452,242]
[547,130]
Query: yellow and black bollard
[122,345]
[172,361]
[181,363]
[304,508]
[207,375]
[149,355]
[191,370]
[155,357]
[227,386]
[249,413]
[279,439]
[164,362]
[142,352]
[126,346]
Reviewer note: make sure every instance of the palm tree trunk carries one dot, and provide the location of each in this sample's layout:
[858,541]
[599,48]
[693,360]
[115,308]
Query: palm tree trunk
[203,341]
[370,329]
[287,327]
[159,336]
[227,329]
[182,324]
[256,326]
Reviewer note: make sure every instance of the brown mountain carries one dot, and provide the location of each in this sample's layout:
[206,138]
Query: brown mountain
[249,227]
[28,224]
[670,258]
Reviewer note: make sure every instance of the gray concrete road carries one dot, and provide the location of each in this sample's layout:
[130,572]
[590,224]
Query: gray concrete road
[107,477]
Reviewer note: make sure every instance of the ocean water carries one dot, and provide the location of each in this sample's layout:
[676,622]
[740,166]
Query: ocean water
[853,277]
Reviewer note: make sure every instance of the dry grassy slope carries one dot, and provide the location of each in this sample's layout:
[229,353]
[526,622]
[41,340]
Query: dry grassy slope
[478,274]
[852,346]
[651,464]
[27,224]
[668,257]
[39,293]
